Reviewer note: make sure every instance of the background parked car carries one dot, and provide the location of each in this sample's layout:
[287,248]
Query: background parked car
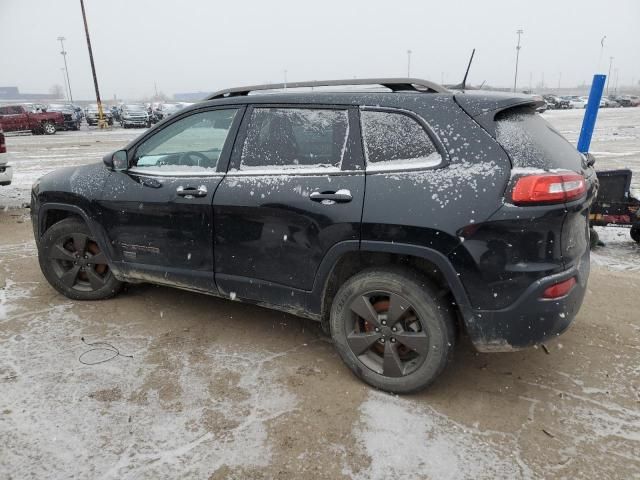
[577,102]
[16,118]
[71,118]
[91,114]
[135,115]
[624,101]
[557,103]
[610,103]
[166,109]
[6,171]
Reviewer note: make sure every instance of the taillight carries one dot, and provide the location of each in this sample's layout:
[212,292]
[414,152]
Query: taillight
[3,146]
[559,289]
[548,188]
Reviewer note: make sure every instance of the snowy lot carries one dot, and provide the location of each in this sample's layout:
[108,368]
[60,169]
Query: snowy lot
[207,388]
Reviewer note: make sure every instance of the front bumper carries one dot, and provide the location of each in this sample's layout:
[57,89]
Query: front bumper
[135,121]
[531,319]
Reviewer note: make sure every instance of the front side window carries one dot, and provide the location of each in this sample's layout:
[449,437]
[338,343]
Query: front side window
[395,140]
[192,144]
[295,138]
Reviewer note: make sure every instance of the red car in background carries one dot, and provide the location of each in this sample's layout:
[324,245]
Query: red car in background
[16,118]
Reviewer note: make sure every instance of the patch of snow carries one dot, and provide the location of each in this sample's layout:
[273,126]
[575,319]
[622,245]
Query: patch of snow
[403,438]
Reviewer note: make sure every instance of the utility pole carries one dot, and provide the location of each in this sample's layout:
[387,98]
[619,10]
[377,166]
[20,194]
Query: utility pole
[559,81]
[408,63]
[101,122]
[615,85]
[518,47]
[609,75]
[66,69]
[285,79]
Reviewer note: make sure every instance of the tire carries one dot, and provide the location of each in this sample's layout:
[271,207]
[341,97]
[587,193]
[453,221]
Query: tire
[48,128]
[594,238]
[73,264]
[423,319]
[635,233]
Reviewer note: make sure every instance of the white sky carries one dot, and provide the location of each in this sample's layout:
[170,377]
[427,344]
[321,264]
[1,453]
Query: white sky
[199,45]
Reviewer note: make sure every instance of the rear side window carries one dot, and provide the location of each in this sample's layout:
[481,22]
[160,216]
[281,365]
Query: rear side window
[395,140]
[531,142]
[295,138]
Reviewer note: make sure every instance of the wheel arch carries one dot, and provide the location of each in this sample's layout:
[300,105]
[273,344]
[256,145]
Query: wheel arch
[51,213]
[348,258]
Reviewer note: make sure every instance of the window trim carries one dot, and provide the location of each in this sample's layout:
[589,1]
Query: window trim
[225,154]
[440,149]
[349,161]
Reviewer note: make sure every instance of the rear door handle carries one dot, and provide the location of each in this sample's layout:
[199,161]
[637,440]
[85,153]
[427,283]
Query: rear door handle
[190,192]
[341,196]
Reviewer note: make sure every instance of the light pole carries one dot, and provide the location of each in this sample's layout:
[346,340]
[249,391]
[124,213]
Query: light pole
[518,47]
[609,75]
[64,83]
[409,63]
[66,69]
[101,122]
[285,79]
[601,51]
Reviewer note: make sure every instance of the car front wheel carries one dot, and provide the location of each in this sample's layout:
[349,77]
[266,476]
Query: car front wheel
[392,329]
[73,263]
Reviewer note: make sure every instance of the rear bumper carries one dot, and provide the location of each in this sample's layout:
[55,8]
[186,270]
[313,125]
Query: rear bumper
[6,174]
[531,319]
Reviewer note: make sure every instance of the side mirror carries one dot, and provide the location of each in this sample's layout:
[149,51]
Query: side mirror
[116,161]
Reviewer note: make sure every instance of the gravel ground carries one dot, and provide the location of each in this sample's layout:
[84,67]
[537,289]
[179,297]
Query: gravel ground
[207,388]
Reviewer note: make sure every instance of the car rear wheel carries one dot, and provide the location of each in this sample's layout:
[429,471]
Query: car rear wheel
[73,263]
[48,128]
[392,329]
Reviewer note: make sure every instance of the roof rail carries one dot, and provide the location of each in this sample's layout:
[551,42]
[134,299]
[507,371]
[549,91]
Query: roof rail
[394,84]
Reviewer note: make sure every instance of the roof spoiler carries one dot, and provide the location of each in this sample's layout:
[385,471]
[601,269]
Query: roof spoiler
[483,107]
[394,84]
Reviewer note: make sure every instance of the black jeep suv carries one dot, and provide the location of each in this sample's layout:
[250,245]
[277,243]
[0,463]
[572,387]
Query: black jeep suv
[397,218]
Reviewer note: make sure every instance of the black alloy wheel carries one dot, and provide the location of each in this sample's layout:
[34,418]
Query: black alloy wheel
[74,264]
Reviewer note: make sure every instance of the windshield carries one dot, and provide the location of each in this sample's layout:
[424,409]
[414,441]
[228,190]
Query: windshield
[135,108]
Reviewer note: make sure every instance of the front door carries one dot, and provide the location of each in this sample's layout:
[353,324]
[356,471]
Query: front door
[158,214]
[295,189]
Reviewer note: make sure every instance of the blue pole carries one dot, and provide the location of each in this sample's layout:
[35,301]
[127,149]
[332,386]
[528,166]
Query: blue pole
[591,113]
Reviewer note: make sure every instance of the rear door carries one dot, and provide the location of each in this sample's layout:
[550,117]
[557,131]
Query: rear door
[158,214]
[294,190]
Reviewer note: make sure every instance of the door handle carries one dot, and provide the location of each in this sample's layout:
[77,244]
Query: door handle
[328,198]
[190,192]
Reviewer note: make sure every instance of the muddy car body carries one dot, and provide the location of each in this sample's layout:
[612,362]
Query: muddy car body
[395,218]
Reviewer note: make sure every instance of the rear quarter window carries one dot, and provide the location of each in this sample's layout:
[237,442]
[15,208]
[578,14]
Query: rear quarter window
[532,142]
[393,140]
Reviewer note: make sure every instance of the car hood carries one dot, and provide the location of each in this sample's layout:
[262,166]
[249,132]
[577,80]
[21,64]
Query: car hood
[85,181]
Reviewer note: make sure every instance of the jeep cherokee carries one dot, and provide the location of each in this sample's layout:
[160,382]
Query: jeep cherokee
[397,218]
